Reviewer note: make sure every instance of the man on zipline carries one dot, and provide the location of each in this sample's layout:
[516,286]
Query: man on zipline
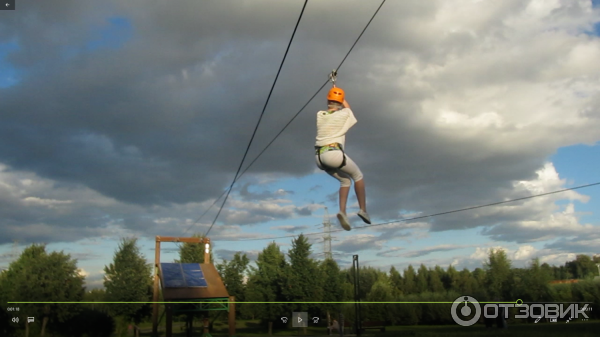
[332,126]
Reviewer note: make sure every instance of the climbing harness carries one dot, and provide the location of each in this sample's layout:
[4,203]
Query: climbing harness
[330,147]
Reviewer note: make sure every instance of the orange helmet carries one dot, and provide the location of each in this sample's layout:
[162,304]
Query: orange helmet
[336,95]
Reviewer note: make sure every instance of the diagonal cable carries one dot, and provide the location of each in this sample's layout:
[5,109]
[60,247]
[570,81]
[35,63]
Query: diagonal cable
[291,120]
[259,120]
[428,215]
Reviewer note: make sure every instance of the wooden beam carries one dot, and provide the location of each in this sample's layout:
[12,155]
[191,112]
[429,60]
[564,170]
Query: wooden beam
[231,318]
[169,326]
[177,239]
[207,251]
[205,331]
[155,294]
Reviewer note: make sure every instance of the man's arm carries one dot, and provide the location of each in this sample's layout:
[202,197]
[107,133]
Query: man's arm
[346,105]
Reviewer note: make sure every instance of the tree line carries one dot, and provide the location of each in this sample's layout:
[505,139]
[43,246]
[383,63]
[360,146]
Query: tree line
[296,278]
[279,283]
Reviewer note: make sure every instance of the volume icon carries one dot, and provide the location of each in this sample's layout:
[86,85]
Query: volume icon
[15,319]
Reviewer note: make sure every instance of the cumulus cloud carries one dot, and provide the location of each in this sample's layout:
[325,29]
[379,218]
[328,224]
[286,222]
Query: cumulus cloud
[546,221]
[290,228]
[458,104]
[408,231]
[524,252]
[94,280]
[358,242]
[227,254]
[425,251]
[582,244]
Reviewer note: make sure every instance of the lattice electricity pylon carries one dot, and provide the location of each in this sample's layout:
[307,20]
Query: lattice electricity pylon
[327,236]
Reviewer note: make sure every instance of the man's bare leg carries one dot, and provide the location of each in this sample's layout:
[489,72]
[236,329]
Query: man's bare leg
[344,191]
[361,194]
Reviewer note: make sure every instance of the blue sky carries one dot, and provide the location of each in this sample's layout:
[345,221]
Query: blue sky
[10,74]
[130,119]
[577,164]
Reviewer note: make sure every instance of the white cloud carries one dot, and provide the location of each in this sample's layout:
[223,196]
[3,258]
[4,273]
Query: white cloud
[524,252]
[557,259]
[50,203]
[359,242]
[420,252]
[471,99]
[290,228]
[482,253]
[539,219]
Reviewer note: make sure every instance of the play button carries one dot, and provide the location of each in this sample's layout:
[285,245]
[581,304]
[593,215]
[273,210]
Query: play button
[300,319]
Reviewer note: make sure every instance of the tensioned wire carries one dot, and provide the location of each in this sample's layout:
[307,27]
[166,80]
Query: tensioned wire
[259,120]
[426,216]
[227,191]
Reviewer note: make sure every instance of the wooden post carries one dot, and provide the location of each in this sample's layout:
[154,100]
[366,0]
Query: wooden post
[206,250]
[169,327]
[155,295]
[190,325]
[231,318]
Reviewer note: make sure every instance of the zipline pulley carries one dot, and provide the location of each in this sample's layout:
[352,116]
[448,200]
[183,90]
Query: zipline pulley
[333,76]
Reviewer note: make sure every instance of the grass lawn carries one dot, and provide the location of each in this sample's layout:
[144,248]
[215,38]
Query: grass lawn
[579,329]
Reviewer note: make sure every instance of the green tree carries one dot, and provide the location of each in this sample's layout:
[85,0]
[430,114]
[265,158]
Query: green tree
[562,273]
[467,283]
[333,287]
[265,285]
[5,328]
[535,281]
[498,274]
[367,277]
[97,295]
[397,282]
[434,282]
[547,269]
[233,273]
[451,279]
[193,252]
[129,279]
[422,276]
[380,292]
[410,286]
[37,276]
[582,267]
[587,291]
[303,277]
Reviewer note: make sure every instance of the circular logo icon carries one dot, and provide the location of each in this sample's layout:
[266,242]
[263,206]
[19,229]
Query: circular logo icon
[465,310]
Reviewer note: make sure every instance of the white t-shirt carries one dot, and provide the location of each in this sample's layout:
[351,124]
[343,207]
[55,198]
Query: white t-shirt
[332,126]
